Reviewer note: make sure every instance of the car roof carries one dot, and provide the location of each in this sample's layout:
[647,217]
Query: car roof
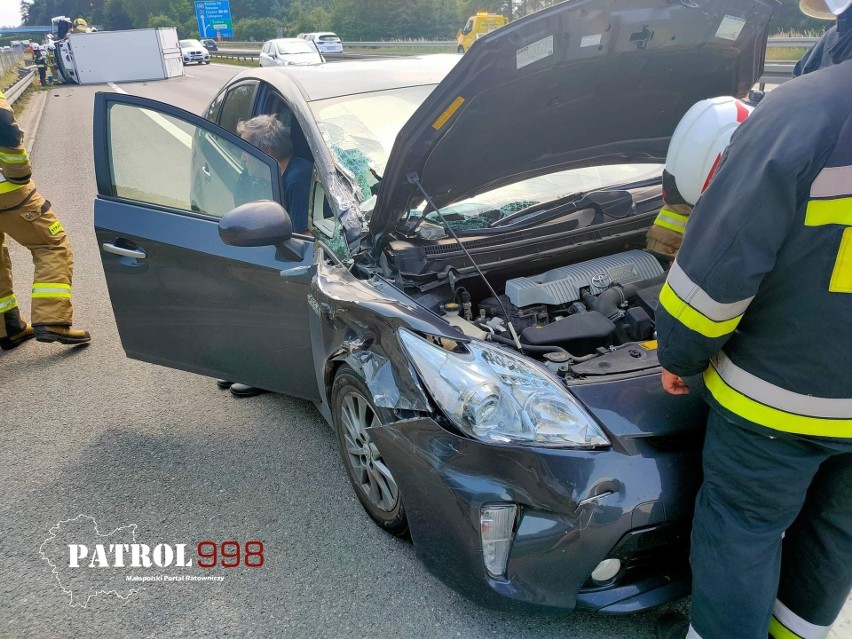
[324,33]
[334,79]
[284,40]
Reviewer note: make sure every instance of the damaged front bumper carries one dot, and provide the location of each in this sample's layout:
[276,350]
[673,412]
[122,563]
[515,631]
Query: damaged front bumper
[575,509]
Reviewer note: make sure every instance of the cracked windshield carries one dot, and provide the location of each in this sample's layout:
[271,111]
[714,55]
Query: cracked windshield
[360,130]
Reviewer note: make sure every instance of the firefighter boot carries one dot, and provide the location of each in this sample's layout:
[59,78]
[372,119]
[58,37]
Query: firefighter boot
[17,330]
[61,334]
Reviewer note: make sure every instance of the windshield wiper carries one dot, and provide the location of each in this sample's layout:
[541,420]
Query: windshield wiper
[545,207]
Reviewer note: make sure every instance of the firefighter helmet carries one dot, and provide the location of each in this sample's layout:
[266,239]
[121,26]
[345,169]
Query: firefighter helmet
[698,142]
[824,9]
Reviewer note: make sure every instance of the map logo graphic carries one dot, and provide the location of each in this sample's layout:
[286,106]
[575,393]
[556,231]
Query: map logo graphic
[67,540]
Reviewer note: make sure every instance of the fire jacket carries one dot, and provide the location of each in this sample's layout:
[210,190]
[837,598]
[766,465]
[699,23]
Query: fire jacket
[15,169]
[759,298]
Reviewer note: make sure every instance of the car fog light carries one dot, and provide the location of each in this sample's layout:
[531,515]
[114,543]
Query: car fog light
[495,526]
[606,570]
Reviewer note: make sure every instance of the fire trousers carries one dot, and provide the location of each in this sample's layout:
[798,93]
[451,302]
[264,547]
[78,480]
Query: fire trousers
[33,225]
[761,485]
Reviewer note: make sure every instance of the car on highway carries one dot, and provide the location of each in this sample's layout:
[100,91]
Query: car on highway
[472,310]
[210,44]
[288,52]
[325,41]
[192,50]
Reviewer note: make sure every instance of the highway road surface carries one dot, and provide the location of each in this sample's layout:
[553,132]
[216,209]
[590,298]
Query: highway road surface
[86,431]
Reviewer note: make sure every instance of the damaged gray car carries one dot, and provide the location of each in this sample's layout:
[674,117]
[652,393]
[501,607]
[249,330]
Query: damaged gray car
[472,309]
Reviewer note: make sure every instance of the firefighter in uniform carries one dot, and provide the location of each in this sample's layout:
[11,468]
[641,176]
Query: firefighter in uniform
[759,301]
[694,153]
[832,42]
[27,218]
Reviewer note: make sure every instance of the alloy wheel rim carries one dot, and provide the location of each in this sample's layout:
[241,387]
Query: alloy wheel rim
[368,469]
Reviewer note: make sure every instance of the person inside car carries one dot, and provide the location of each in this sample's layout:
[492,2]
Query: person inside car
[267,133]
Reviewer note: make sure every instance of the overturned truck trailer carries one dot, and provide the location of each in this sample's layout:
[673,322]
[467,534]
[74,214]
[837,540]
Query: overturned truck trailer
[119,56]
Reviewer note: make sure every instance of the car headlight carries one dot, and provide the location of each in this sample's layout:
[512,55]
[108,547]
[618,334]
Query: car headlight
[497,396]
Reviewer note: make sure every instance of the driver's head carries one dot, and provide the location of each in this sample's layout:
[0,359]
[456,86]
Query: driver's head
[268,134]
[824,9]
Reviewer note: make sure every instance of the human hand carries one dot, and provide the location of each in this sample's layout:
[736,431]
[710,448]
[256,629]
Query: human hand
[673,384]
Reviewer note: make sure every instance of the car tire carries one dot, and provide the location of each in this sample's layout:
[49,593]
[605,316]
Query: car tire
[353,411]
[207,62]
[460,49]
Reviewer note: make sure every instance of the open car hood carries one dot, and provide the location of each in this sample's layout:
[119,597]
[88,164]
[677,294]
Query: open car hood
[583,83]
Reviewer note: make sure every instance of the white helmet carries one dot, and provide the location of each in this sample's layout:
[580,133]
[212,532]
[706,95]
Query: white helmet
[824,9]
[699,140]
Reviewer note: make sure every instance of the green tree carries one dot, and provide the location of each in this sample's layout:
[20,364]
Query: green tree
[161,20]
[257,29]
[116,16]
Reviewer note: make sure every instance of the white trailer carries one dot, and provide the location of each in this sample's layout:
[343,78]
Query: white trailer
[120,56]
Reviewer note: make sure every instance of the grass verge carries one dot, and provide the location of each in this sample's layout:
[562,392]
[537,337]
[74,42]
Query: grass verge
[784,54]
[235,62]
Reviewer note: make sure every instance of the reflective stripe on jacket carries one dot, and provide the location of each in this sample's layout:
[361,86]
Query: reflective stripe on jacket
[15,169]
[760,296]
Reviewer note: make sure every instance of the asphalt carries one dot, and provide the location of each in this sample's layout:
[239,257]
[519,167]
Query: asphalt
[87,431]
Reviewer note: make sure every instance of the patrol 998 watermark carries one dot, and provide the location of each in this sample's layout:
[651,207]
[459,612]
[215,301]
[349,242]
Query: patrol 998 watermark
[88,563]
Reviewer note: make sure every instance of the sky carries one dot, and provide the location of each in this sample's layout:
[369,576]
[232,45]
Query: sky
[10,13]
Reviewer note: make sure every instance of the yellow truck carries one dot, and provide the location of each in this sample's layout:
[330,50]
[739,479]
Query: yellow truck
[476,27]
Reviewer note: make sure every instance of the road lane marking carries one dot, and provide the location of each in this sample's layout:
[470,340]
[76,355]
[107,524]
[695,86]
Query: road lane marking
[181,136]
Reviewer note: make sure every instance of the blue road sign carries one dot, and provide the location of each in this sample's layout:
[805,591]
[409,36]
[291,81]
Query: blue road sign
[214,18]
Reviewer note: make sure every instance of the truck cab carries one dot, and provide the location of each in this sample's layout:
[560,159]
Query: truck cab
[476,27]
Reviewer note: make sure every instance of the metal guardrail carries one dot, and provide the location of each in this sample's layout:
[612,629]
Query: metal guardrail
[784,42]
[19,87]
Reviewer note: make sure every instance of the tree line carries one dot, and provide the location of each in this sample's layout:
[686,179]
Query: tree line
[351,19]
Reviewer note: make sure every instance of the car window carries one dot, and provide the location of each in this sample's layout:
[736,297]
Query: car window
[325,225]
[214,108]
[482,210]
[294,46]
[330,37]
[196,170]
[468,27]
[361,129]
[238,105]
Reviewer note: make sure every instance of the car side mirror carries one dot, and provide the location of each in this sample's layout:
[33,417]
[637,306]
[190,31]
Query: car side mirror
[261,223]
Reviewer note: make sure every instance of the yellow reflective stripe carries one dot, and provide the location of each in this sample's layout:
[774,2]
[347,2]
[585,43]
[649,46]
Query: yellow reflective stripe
[8,187]
[51,290]
[778,631]
[8,303]
[692,319]
[677,217]
[20,157]
[823,212]
[841,277]
[764,415]
[36,296]
[668,225]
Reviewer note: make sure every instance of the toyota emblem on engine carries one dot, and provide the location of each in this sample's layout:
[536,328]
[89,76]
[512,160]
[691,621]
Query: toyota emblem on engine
[601,280]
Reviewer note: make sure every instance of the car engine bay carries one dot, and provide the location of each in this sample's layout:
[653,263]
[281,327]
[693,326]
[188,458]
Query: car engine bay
[591,318]
[580,292]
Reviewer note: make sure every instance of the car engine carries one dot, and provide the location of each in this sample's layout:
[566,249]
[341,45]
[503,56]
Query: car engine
[591,318]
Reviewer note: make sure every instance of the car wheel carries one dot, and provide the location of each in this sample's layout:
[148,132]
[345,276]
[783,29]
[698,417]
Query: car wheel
[460,49]
[354,414]
[207,62]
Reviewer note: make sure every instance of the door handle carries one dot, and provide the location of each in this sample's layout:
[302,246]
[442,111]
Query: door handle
[124,252]
[206,171]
